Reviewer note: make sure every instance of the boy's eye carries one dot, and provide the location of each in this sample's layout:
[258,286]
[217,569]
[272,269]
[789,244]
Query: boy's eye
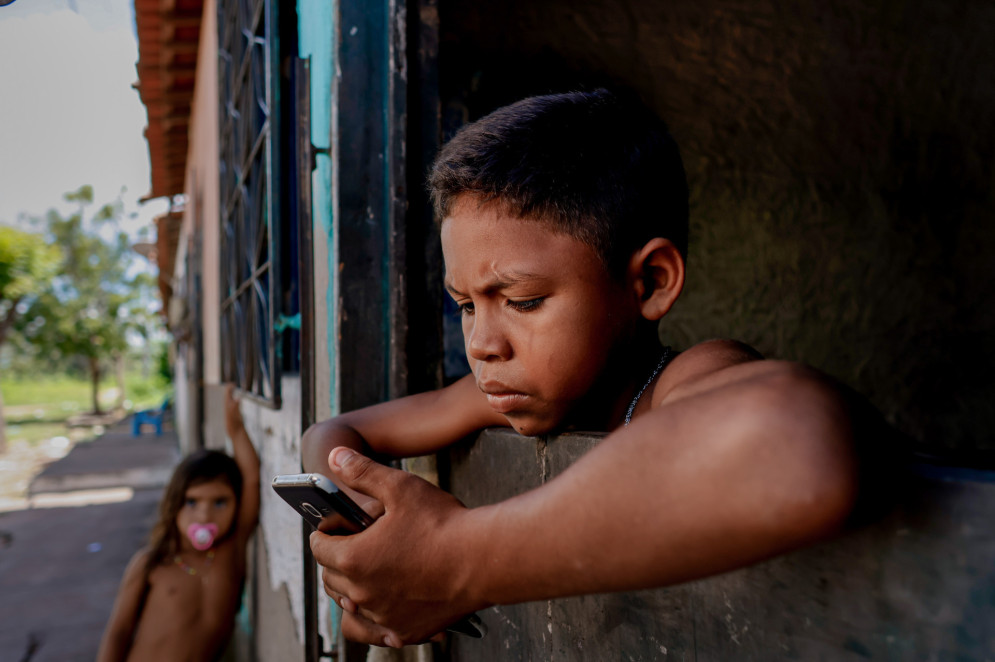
[465,308]
[527,305]
[220,503]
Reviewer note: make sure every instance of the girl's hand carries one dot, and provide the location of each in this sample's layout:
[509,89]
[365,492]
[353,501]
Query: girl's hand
[233,413]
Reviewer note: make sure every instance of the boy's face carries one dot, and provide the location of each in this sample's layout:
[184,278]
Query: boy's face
[540,313]
[210,507]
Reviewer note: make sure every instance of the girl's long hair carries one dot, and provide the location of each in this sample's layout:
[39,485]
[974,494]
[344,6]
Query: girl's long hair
[198,467]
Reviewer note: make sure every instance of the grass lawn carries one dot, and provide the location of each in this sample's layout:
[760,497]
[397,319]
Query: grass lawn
[37,409]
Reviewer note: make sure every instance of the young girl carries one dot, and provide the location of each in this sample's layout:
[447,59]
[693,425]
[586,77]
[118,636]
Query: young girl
[180,594]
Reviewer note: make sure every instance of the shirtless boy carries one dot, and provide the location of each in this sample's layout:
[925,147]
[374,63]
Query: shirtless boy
[564,233]
[180,594]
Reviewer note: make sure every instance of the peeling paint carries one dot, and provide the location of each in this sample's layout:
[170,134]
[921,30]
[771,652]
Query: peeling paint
[504,618]
[541,452]
[399,46]
[279,526]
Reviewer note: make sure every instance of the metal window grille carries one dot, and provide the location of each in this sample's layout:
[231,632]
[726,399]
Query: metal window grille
[250,277]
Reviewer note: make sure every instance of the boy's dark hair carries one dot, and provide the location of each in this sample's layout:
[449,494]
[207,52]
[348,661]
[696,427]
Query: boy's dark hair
[199,467]
[597,166]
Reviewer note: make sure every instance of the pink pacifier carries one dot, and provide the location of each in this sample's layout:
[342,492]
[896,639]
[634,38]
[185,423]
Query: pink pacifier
[202,535]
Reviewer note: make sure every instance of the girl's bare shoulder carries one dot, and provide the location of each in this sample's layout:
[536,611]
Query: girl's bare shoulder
[138,565]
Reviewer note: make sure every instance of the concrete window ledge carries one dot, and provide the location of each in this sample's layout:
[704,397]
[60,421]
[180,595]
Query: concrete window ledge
[916,583]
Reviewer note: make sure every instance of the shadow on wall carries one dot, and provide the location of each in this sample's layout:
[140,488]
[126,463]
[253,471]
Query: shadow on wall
[840,159]
[842,206]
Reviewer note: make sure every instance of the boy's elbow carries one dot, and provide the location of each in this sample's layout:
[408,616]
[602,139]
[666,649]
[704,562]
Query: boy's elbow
[319,440]
[321,435]
[807,428]
[311,437]
[314,447]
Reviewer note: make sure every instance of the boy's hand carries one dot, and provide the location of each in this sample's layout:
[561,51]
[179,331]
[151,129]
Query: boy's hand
[337,525]
[233,414]
[403,579]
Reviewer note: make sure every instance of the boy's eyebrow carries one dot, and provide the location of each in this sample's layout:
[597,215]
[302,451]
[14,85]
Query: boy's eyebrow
[500,282]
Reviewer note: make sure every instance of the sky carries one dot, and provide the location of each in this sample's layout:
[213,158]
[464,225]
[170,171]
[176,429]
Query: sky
[68,113]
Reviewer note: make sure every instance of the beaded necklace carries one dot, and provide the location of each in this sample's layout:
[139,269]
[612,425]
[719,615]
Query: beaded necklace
[656,371]
[189,569]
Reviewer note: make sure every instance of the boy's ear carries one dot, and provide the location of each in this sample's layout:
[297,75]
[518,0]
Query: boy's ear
[657,275]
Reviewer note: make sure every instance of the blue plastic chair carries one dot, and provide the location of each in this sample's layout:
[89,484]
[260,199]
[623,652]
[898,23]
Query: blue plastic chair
[151,416]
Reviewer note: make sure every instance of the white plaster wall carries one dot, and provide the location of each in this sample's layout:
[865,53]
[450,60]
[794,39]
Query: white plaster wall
[181,403]
[276,435]
[201,186]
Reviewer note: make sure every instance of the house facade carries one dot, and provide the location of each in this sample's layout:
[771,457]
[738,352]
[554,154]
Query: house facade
[281,142]
[299,261]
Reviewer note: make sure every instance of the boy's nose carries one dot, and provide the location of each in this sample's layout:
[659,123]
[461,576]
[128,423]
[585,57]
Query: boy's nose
[486,340]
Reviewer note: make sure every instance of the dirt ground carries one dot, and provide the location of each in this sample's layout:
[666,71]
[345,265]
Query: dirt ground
[24,460]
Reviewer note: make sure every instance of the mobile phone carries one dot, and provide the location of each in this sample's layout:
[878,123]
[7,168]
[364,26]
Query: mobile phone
[316,498]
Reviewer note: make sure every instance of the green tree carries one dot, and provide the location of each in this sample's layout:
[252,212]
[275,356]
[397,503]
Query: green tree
[84,312]
[26,265]
[143,322]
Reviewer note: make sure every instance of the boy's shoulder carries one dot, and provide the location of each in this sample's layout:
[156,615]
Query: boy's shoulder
[738,379]
[709,364]
[709,356]
[716,349]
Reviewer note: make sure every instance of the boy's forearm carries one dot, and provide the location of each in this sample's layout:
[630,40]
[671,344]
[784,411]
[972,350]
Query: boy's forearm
[411,426]
[706,485]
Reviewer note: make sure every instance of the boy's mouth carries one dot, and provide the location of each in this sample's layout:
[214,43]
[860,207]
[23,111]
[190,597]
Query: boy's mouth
[501,398]
[503,403]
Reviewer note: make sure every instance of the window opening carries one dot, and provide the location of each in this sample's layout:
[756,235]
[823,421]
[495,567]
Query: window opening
[259,293]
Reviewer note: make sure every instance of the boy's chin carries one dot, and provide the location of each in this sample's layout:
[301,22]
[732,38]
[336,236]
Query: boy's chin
[530,426]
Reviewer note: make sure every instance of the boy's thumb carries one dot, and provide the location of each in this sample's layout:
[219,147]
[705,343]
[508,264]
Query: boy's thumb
[359,472]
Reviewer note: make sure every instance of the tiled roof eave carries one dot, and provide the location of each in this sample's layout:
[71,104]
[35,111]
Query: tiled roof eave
[168,38]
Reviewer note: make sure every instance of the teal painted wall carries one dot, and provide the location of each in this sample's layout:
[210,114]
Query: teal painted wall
[316,30]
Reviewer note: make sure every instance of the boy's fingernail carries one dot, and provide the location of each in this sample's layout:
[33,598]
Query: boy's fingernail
[390,639]
[342,455]
[347,605]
